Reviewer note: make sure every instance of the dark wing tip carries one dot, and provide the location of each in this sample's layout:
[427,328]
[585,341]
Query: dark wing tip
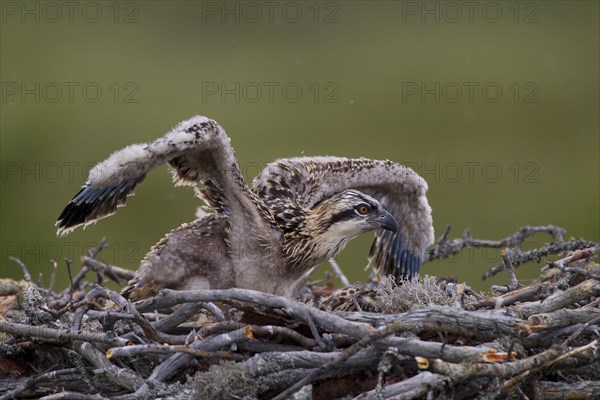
[92,204]
[390,255]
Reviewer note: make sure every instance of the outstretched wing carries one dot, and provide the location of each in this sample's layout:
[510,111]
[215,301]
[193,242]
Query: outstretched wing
[197,150]
[306,181]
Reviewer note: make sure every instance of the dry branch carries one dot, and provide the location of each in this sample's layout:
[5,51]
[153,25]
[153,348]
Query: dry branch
[291,308]
[411,388]
[57,335]
[445,248]
[518,258]
[585,290]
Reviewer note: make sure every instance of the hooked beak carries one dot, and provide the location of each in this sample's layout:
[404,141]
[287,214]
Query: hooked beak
[386,221]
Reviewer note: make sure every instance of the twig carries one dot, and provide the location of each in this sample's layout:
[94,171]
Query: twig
[259,331]
[122,377]
[441,249]
[315,333]
[68,395]
[60,335]
[582,291]
[416,347]
[343,356]
[167,298]
[461,372]
[577,255]
[581,389]
[117,274]
[578,332]
[31,382]
[100,291]
[338,272]
[92,252]
[561,318]
[514,283]
[482,325]
[26,274]
[214,310]
[444,248]
[183,314]
[71,286]
[548,363]
[53,276]
[154,348]
[518,258]
[177,361]
[411,388]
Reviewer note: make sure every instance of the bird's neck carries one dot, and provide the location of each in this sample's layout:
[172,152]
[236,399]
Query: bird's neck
[309,245]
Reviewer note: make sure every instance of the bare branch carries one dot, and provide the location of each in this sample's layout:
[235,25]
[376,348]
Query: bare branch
[338,272]
[59,335]
[26,274]
[517,258]
[167,298]
[444,248]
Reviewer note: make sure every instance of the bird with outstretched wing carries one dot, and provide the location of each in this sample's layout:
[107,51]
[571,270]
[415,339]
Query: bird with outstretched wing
[298,213]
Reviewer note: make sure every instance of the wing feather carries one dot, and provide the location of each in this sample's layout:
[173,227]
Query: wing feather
[197,151]
[306,181]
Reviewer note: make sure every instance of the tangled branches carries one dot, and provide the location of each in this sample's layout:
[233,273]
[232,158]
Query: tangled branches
[421,339]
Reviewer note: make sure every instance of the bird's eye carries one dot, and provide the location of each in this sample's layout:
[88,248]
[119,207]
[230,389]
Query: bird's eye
[363,209]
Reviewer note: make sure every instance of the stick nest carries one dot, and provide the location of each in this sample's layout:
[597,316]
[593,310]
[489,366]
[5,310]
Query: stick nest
[424,338]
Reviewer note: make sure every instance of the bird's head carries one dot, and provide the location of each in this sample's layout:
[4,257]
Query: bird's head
[326,228]
[349,214]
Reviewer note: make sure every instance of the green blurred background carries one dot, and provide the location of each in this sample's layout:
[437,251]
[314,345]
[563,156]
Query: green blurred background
[495,104]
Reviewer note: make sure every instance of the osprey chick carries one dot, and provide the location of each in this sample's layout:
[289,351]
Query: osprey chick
[298,213]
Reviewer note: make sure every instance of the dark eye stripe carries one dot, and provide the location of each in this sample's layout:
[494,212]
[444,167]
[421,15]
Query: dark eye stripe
[341,216]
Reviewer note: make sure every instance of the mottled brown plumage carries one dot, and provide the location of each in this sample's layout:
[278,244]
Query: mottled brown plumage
[298,213]
[358,297]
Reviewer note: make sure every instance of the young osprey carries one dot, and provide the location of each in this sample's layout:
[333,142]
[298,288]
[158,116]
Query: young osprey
[298,213]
